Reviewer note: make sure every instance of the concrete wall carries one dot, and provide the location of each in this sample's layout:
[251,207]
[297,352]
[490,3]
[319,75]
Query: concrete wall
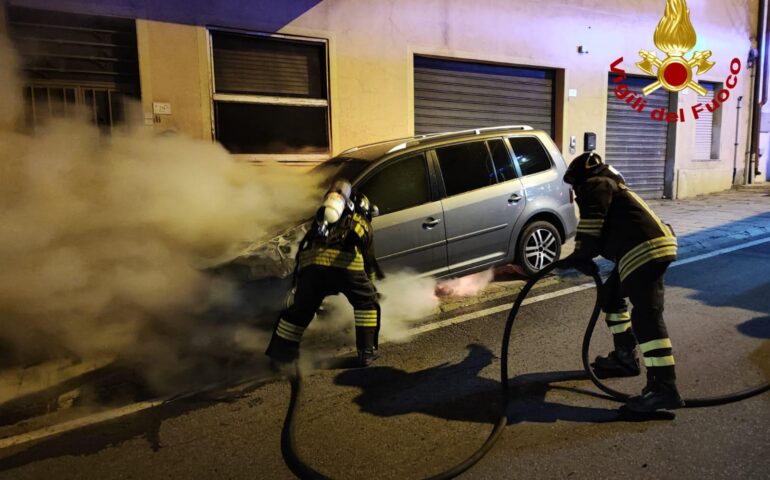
[372,45]
[174,67]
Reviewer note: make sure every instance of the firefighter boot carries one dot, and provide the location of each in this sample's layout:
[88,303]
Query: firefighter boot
[366,356]
[366,345]
[282,354]
[659,394]
[621,362]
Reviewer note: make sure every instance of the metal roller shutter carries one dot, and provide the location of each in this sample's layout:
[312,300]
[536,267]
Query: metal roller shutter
[451,95]
[637,145]
[256,65]
[704,127]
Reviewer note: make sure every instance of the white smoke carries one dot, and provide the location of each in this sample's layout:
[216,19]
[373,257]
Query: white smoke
[104,240]
[406,301]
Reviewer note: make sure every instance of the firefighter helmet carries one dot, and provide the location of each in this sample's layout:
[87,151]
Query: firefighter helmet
[583,167]
[364,206]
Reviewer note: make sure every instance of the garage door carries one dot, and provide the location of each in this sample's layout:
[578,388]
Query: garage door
[451,95]
[637,145]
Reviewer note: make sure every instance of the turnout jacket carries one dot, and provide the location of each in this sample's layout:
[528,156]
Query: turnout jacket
[350,247]
[617,224]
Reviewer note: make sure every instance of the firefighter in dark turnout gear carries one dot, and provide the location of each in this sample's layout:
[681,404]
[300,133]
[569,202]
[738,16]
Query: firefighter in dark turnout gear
[617,224]
[335,256]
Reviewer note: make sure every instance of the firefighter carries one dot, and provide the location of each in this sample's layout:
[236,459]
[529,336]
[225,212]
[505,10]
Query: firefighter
[335,256]
[617,224]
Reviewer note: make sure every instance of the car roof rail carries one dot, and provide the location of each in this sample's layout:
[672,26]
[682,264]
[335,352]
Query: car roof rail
[405,141]
[505,127]
[477,131]
[374,144]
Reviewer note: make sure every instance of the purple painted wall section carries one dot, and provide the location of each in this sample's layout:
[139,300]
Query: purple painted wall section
[262,15]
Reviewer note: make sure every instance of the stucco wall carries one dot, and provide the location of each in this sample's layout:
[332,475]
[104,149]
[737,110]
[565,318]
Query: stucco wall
[174,68]
[372,45]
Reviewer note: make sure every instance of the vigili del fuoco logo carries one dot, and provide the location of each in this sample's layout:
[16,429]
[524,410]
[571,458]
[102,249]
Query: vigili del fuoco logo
[675,36]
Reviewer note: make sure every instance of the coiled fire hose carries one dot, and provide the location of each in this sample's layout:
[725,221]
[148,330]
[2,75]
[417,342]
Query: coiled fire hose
[305,472]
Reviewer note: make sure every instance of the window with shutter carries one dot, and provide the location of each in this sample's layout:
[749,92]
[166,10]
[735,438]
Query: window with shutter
[707,126]
[270,95]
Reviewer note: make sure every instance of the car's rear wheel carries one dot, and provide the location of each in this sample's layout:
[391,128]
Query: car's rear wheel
[538,247]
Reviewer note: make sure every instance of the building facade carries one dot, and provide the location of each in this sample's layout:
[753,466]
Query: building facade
[301,81]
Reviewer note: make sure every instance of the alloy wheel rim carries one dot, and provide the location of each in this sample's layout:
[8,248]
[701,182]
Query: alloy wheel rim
[540,249]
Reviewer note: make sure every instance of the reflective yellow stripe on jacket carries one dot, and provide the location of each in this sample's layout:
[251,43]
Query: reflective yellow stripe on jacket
[648,251]
[590,226]
[331,257]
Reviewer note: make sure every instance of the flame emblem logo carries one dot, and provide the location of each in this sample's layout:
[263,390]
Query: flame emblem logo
[675,36]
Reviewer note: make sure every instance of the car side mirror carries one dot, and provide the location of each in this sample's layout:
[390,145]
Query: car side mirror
[375,211]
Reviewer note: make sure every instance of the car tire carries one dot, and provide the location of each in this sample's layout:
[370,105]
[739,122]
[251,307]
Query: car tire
[539,245]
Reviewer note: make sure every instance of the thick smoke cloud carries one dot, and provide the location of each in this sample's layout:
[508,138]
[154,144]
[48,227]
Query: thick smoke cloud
[104,240]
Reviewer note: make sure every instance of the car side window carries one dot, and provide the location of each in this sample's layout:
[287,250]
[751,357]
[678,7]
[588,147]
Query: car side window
[402,184]
[503,164]
[466,167]
[530,155]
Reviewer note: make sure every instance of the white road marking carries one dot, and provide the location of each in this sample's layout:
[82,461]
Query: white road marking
[722,251]
[77,423]
[500,308]
[585,286]
[138,407]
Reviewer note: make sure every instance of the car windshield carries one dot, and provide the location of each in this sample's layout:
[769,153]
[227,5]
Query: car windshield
[340,168]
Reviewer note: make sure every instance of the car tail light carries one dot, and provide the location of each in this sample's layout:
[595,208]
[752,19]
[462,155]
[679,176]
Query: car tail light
[571,196]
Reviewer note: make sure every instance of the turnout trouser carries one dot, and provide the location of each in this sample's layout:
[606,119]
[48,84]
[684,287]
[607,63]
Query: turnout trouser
[644,288]
[314,283]
[616,313]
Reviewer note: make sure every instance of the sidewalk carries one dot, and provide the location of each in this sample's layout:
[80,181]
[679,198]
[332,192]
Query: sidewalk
[712,221]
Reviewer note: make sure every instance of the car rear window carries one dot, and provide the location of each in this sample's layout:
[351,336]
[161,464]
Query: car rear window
[466,167]
[530,155]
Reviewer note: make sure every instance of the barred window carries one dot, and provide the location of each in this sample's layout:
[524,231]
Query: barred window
[270,94]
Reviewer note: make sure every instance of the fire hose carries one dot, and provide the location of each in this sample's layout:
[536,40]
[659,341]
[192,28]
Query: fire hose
[304,471]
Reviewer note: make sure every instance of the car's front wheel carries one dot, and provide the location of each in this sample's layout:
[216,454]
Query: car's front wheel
[539,246]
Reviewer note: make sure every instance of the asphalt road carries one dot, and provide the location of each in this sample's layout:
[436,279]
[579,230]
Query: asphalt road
[430,402]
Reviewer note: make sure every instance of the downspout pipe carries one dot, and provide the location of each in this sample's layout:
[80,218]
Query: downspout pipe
[760,90]
[735,146]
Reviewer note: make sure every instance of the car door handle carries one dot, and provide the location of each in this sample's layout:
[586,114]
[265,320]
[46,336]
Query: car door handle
[514,198]
[430,222]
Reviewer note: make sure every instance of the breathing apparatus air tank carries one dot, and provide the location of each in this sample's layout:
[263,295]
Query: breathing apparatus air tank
[336,201]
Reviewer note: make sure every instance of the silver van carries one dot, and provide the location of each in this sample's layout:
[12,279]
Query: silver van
[459,202]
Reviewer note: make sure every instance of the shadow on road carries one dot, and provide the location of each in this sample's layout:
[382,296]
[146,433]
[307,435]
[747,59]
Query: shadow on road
[458,392]
[94,439]
[143,425]
[733,280]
